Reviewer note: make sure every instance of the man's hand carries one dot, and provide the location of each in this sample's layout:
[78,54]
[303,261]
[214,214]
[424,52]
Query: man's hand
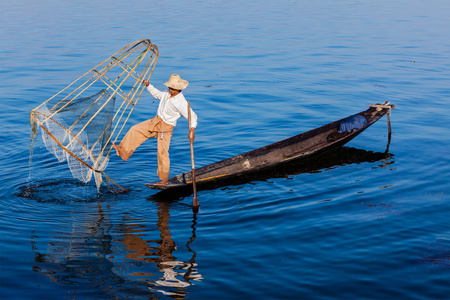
[146,82]
[191,135]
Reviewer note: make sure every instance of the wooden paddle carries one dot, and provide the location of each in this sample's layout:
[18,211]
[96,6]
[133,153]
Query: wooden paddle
[195,199]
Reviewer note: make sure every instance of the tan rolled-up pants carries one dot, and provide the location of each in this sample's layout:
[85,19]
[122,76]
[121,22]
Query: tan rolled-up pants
[139,133]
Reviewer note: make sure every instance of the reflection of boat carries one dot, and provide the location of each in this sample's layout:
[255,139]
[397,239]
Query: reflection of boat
[280,154]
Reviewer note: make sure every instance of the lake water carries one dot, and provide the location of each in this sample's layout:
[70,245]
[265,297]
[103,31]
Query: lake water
[357,224]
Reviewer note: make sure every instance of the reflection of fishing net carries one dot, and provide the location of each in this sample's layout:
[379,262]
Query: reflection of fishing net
[79,123]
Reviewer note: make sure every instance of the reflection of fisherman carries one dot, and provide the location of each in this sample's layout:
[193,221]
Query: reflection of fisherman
[176,273]
[171,107]
[141,249]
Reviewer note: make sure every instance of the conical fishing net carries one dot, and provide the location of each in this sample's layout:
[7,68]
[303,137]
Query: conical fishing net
[79,123]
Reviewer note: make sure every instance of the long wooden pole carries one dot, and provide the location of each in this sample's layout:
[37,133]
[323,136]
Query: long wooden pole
[195,199]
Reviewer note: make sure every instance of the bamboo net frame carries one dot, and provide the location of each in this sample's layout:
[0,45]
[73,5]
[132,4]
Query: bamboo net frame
[120,76]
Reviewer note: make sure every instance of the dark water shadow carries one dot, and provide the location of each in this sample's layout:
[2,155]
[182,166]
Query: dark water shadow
[63,191]
[124,259]
[58,191]
[315,164]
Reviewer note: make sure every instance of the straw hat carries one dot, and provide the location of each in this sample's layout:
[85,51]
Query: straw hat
[176,82]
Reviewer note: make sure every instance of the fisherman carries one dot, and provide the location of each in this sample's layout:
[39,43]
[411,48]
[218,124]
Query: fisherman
[171,107]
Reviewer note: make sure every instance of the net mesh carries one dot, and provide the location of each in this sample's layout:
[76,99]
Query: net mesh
[79,124]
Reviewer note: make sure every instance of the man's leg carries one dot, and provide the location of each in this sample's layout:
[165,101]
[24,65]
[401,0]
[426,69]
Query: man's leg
[163,156]
[137,134]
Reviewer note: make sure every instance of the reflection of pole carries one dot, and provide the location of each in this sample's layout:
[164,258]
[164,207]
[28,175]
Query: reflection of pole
[388,115]
[194,254]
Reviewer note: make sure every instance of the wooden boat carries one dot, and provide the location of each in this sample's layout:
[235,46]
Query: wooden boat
[291,150]
[312,164]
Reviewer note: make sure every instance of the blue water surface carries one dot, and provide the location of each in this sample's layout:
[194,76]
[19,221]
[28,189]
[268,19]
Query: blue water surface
[357,224]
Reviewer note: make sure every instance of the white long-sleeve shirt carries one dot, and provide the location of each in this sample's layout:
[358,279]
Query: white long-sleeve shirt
[170,109]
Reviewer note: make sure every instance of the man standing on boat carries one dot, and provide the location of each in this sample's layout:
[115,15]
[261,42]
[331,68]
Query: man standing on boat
[171,107]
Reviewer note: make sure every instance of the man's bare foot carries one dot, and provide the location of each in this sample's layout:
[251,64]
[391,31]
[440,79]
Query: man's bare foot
[117,149]
[162,182]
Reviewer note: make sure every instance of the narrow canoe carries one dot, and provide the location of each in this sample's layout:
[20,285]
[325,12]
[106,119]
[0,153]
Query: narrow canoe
[291,150]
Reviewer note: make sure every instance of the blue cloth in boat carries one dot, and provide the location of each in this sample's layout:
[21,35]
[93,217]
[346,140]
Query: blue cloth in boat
[352,122]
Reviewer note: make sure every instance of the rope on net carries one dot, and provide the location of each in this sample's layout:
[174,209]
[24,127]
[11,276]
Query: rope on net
[79,123]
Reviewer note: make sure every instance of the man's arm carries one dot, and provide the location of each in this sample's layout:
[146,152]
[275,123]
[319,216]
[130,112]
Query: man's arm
[152,90]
